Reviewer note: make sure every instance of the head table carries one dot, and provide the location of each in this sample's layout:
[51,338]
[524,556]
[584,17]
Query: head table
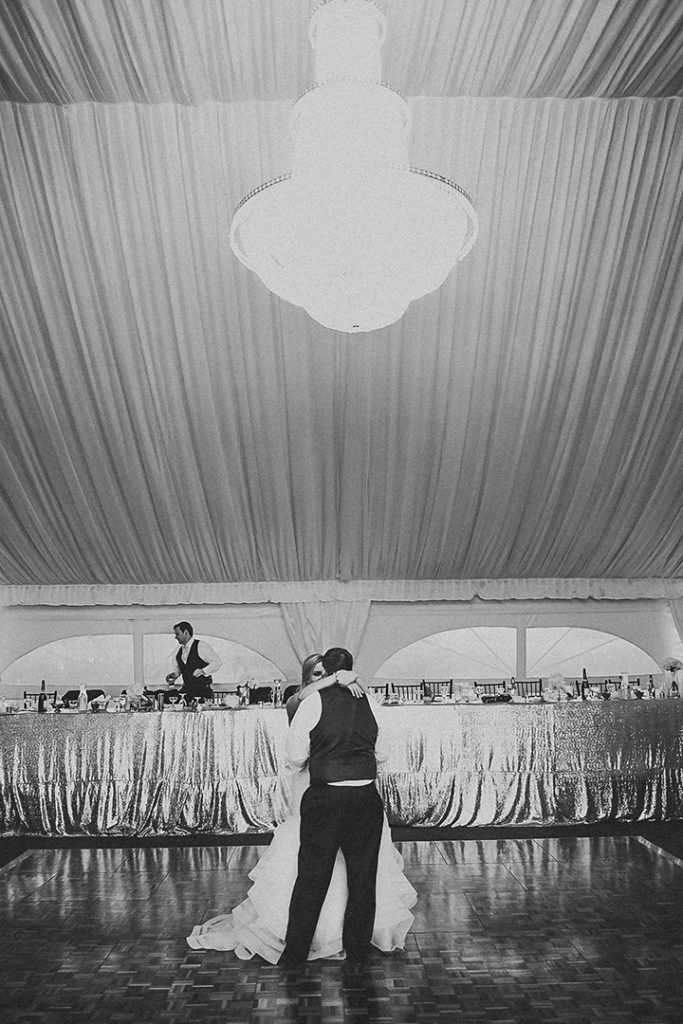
[221,771]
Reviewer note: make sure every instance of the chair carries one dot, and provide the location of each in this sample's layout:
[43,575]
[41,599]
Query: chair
[170,695]
[529,687]
[438,688]
[260,694]
[604,688]
[224,696]
[487,689]
[32,698]
[72,695]
[407,691]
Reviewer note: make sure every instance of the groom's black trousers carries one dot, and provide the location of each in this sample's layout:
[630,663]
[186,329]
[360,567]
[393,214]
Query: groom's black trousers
[349,818]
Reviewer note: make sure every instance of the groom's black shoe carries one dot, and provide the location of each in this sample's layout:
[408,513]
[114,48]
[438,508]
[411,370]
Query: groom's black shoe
[355,971]
[356,962]
[288,960]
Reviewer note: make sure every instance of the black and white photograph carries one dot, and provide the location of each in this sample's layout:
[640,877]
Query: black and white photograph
[341,511]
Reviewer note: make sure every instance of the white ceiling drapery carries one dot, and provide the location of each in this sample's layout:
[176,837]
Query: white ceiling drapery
[236,51]
[164,420]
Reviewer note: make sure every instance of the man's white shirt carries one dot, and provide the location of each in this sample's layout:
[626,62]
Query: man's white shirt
[205,652]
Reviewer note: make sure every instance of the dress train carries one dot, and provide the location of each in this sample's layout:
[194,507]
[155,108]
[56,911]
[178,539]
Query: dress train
[257,926]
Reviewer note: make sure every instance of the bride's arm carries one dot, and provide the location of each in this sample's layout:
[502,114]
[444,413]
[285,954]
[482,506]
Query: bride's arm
[343,677]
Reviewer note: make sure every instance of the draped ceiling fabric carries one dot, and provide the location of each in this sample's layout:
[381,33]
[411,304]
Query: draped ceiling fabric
[167,422]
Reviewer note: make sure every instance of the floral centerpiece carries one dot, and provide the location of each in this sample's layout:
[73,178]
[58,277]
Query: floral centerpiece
[671,666]
[557,688]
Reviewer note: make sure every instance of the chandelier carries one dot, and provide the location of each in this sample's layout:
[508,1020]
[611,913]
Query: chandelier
[354,234]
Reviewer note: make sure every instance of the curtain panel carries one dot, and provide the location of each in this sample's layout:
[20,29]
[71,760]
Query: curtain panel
[676,606]
[319,625]
[163,418]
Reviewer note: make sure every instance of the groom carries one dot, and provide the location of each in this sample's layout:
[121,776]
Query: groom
[337,736]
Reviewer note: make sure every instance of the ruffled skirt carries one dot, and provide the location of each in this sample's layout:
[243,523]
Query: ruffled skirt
[258,925]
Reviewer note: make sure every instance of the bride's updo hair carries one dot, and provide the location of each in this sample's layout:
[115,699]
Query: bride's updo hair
[309,665]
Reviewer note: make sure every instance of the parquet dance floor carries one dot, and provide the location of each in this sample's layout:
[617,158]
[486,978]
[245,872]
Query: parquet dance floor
[572,930]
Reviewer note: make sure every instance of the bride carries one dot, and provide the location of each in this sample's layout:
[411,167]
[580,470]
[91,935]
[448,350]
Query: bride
[257,926]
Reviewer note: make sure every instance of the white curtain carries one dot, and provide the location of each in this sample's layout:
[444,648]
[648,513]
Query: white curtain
[676,606]
[313,627]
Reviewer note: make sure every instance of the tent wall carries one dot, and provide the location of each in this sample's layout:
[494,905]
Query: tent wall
[390,626]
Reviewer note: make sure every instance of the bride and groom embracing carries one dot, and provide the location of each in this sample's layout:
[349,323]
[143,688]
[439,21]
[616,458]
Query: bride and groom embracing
[331,882]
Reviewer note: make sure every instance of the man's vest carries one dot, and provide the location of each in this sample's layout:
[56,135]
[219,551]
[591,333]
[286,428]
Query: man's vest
[343,741]
[200,687]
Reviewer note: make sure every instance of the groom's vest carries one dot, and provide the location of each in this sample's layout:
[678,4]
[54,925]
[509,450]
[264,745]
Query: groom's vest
[343,741]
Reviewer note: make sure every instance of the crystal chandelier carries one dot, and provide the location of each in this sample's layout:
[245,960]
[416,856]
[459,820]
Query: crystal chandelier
[354,233]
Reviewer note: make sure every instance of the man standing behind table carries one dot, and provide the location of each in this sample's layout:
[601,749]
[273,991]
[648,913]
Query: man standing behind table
[339,737]
[196,662]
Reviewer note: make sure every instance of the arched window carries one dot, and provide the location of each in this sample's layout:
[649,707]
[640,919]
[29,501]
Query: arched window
[490,652]
[239,662]
[567,650]
[107,662]
[101,661]
[482,652]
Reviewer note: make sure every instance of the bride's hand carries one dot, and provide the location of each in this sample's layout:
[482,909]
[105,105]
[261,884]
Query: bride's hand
[349,680]
[345,677]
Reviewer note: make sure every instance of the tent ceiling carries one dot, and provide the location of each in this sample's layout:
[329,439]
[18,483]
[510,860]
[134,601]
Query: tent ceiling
[164,419]
[238,51]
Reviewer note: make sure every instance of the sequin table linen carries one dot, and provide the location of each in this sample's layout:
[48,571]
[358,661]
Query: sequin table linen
[222,771]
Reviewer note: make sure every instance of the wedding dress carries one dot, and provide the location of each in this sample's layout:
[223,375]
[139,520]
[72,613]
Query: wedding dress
[257,926]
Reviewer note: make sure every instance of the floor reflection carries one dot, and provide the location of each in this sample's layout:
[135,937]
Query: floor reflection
[564,930]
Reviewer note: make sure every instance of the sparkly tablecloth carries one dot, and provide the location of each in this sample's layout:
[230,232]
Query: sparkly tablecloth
[222,771]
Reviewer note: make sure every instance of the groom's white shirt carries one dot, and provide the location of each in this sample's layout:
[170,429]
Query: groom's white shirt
[298,745]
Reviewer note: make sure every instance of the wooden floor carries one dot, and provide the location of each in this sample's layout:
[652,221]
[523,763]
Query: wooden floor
[529,930]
